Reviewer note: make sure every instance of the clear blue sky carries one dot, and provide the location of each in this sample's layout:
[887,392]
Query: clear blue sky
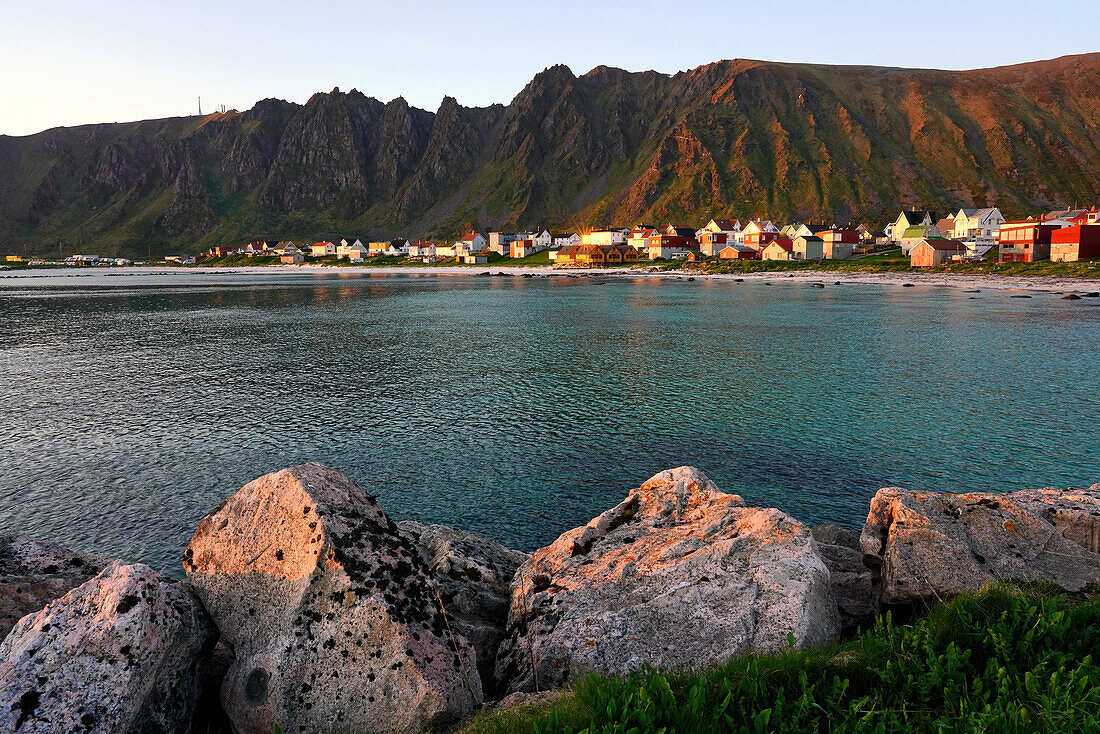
[69,62]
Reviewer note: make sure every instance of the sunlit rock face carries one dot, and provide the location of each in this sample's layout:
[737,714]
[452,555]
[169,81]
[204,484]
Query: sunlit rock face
[33,573]
[123,652]
[678,575]
[925,545]
[331,612]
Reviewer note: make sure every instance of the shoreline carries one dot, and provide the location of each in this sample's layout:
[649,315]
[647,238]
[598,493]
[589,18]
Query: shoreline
[1040,283]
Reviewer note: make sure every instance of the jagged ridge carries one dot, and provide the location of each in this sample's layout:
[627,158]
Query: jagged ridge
[733,138]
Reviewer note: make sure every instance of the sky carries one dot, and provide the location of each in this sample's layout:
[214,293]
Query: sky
[71,62]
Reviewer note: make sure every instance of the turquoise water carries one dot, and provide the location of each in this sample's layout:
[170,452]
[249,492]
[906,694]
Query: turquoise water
[519,408]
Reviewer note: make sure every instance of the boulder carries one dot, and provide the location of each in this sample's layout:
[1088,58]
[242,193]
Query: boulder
[1074,512]
[123,652]
[925,545]
[473,575]
[330,611]
[678,575]
[33,573]
[851,579]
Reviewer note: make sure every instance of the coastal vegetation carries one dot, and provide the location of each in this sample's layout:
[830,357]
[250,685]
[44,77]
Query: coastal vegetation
[1009,658]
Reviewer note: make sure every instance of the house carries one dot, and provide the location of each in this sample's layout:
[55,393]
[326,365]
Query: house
[1026,240]
[222,251]
[778,249]
[671,246]
[423,250]
[695,256]
[563,240]
[803,230]
[907,219]
[499,241]
[738,252]
[542,239]
[355,253]
[810,247]
[590,254]
[946,226]
[865,234]
[377,248]
[639,236]
[291,257]
[446,250]
[471,242]
[252,249]
[1078,242]
[839,243]
[976,228]
[1073,216]
[933,251]
[180,259]
[287,248]
[322,249]
[914,234]
[521,248]
[397,248]
[476,258]
[731,228]
[758,233]
[605,237]
[711,242]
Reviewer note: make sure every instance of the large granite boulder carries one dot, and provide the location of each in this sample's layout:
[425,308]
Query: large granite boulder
[33,573]
[677,575]
[123,652]
[1074,512]
[473,575]
[925,545]
[839,548]
[330,611]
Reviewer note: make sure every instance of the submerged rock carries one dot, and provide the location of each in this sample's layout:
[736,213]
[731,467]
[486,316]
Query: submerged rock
[925,545]
[123,652]
[330,611]
[678,575]
[473,575]
[851,579]
[33,573]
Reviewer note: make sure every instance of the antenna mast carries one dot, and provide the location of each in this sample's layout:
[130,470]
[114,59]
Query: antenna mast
[200,105]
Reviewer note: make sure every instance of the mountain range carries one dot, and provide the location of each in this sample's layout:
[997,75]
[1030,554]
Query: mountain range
[736,138]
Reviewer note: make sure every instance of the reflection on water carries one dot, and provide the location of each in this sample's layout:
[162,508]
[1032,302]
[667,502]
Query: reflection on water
[519,408]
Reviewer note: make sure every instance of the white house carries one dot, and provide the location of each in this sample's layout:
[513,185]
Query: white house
[320,249]
[423,250]
[356,252]
[907,219]
[573,239]
[977,228]
[342,248]
[639,237]
[397,248]
[472,242]
[605,237]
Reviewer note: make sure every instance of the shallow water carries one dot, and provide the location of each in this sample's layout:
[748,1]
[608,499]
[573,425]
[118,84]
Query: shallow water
[519,408]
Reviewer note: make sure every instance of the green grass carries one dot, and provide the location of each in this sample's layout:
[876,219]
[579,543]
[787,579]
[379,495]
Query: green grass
[1006,659]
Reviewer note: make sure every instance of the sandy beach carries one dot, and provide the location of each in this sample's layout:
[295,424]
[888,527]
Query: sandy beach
[1054,284]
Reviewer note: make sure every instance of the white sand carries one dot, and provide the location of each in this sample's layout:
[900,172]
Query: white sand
[1002,282]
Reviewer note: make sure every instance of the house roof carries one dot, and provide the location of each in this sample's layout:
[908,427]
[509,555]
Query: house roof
[726,225]
[786,244]
[919,230]
[942,243]
[809,238]
[470,237]
[914,216]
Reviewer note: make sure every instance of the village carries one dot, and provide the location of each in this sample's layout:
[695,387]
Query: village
[966,235]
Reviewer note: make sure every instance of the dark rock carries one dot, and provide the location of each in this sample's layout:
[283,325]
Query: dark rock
[838,546]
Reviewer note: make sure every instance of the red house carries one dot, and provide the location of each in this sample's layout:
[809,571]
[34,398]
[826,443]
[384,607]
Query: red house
[846,236]
[1025,241]
[1075,243]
